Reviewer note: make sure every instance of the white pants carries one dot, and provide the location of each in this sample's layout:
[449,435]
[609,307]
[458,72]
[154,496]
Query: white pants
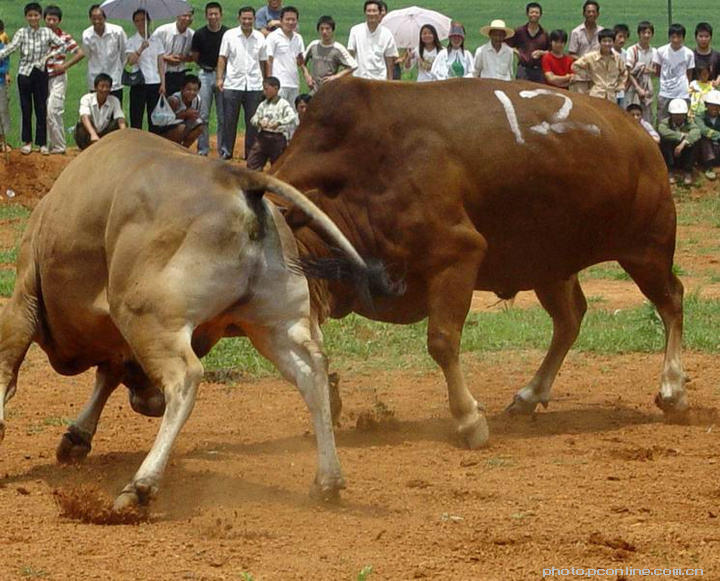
[55,111]
[289,94]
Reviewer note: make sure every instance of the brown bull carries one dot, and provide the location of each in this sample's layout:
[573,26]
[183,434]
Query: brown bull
[137,262]
[487,185]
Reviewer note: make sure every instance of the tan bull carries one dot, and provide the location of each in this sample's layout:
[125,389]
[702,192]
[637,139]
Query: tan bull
[474,184]
[137,262]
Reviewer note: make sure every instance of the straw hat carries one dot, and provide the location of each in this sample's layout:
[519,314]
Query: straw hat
[497,25]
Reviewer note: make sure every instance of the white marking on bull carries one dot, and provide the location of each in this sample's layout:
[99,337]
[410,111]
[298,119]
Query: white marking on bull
[511,116]
[559,119]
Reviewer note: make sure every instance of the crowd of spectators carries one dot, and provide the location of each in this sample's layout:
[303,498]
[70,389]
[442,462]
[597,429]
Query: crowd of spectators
[259,67]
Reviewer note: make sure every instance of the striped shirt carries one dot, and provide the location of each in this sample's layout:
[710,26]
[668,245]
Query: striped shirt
[35,45]
[70,47]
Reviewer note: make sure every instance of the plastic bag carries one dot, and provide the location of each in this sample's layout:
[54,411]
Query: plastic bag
[163,114]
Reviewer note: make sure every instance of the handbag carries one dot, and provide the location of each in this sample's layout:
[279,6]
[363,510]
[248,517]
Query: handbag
[132,78]
[163,114]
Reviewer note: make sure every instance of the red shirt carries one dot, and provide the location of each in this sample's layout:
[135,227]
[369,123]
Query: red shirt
[559,66]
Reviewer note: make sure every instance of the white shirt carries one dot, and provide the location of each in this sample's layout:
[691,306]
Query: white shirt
[492,64]
[448,63]
[243,55]
[105,54]
[371,49]
[284,52]
[674,65]
[101,116]
[424,64]
[148,62]
[172,41]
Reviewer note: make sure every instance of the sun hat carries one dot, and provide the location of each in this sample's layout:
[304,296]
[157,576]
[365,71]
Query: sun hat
[678,107]
[712,98]
[457,30]
[497,25]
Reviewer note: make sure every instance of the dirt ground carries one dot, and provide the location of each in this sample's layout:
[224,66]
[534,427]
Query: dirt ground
[598,480]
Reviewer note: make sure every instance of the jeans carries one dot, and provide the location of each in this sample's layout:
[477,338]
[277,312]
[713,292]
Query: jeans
[33,90]
[232,101]
[208,92]
[143,98]
[57,87]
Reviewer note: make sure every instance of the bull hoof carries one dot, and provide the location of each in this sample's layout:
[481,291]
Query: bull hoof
[477,433]
[328,490]
[522,407]
[676,410]
[74,445]
[136,494]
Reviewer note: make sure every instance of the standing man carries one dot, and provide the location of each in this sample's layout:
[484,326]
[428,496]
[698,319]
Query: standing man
[372,45]
[240,69]
[175,38]
[205,51]
[268,17]
[494,59]
[57,79]
[583,39]
[285,49]
[531,43]
[104,45]
[330,59]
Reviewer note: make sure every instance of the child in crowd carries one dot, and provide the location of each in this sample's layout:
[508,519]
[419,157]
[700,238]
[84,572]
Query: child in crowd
[453,61]
[556,65]
[301,104]
[679,139]
[699,88]
[709,125]
[274,118]
[637,113]
[186,105]
[4,96]
[604,68]
[639,63]
[674,63]
[622,33]
[328,59]
[705,54]
[425,54]
[100,113]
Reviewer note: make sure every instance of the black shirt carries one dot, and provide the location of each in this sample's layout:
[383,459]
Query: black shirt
[207,44]
[710,60]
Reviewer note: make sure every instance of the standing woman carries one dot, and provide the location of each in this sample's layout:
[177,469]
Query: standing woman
[36,45]
[142,54]
[453,61]
[428,49]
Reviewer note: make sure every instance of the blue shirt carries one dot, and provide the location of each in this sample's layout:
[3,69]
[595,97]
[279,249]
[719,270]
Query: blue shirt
[265,15]
[4,67]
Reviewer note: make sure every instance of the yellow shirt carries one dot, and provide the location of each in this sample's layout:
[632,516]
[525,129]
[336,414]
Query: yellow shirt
[607,74]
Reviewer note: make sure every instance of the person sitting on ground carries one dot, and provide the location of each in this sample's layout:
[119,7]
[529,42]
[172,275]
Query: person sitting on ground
[679,139]
[637,113]
[100,113]
[699,88]
[556,65]
[709,125]
[453,61]
[605,69]
[188,122]
[274,117]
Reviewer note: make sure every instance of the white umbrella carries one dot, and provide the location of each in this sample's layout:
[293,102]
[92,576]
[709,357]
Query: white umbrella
[405,25]
[156,9]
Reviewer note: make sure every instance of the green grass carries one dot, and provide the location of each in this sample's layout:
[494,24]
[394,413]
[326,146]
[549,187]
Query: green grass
[557,14]
[7,282]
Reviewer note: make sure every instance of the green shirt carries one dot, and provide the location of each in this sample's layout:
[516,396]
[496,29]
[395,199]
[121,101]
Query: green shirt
[688,131]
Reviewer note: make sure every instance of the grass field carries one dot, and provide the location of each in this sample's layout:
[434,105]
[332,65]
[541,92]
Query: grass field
[558,14]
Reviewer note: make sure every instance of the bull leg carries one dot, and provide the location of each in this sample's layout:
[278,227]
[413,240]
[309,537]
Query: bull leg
[333,378]
[450,295]
[76,443]
[565,303]
[665,291]
[292,349]
[167,357]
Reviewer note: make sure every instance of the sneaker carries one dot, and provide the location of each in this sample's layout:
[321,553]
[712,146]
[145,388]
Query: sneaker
[26,149]
[55,151]
[672,180]
[44,150]
[688,179]
[711,175]
[203,153]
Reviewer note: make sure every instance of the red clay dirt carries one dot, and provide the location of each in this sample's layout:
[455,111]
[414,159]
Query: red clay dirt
[597,480]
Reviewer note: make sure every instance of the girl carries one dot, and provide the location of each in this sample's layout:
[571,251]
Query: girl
[426,53]
[453,61]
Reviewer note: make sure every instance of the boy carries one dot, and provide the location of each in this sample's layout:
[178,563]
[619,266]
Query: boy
[674,63]
[274,117]
[327,55]
[705,54]
[604,68]
[100,113]
[636,111]
[36,44]
[679,139]
[4,99]
[639,63]
[622,33]
[709,125]
[186,105]
[57,79]
[556,65]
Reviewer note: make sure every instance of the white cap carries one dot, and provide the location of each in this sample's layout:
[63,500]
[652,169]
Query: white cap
[678,106]
[712,98]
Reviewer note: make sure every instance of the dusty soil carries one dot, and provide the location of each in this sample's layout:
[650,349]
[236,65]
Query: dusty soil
[596,481]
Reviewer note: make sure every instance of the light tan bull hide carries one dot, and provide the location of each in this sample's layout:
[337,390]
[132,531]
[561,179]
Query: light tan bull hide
[137,262]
